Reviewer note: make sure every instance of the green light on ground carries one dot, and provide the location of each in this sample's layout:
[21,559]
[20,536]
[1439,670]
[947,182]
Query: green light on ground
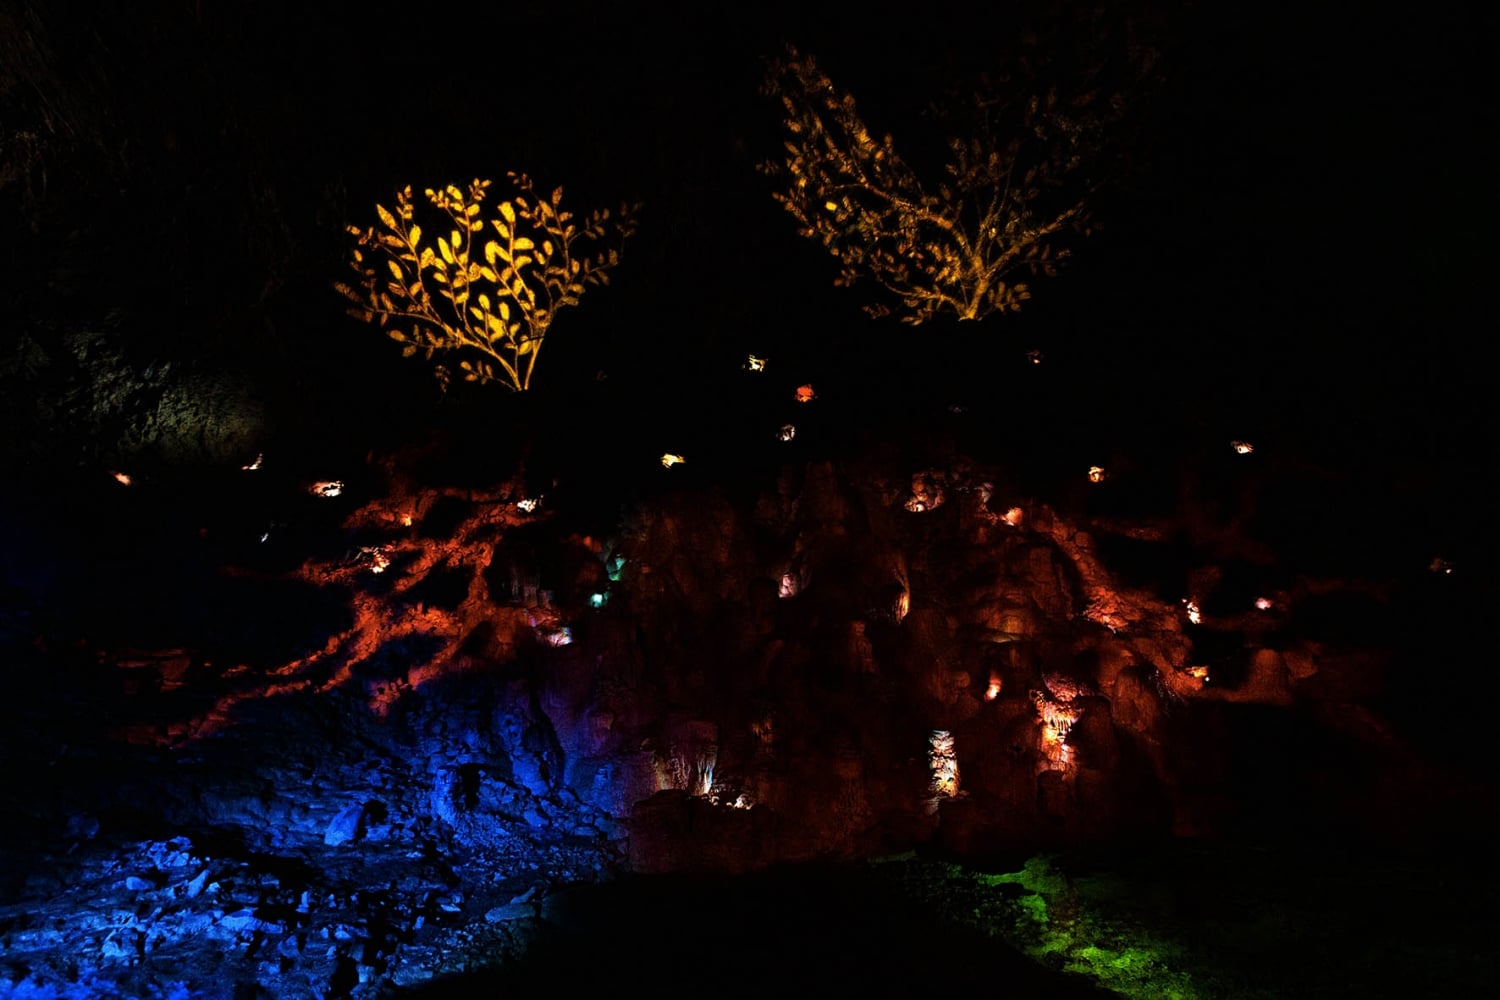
[1063,924]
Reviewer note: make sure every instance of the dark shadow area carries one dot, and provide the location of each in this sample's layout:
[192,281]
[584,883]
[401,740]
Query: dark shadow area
[802,931]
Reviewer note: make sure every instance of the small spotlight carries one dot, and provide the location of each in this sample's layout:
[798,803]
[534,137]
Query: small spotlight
[1096,473]
[668,460]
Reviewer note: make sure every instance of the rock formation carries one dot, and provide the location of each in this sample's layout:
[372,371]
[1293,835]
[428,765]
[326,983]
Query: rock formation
[489,703]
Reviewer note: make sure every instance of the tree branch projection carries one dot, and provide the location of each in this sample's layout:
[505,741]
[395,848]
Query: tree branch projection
[395,642]
[1000,214]
[488,290]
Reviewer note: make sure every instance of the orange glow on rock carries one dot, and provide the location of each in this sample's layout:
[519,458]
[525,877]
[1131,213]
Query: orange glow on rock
[1057,719]
[805,394]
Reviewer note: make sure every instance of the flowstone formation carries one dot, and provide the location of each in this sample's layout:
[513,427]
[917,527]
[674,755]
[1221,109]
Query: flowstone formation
[495,701]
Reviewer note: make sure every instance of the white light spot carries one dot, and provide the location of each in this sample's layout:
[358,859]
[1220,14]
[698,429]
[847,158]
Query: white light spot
[253,465]
[327,488]
[1096,473]
[1263,604]
[1242,447]
[943,760]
